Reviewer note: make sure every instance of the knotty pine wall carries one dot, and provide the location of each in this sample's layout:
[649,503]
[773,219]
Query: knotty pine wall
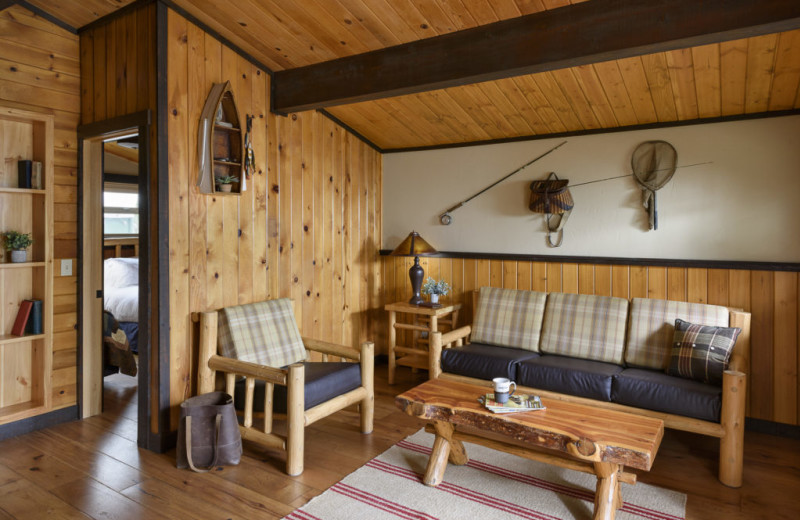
[307,227]
[40,72]
[118,77]
[773,298]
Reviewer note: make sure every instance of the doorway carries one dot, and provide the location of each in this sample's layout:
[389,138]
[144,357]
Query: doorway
[120,135]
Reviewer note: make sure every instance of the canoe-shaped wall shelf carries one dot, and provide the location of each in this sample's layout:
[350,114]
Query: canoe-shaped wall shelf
[220,144]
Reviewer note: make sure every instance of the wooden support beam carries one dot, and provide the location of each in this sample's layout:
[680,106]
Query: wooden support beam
[580,34]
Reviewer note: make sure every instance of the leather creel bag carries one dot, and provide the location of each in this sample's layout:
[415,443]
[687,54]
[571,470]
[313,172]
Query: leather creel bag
[551,195]
[208,433]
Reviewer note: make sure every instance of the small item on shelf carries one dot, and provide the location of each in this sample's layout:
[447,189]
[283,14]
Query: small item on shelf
[35,321]
[515,403]
[225,183]
[434,289]
[18,244]
[36,176]
[22,318]
[226,124]
[24,168]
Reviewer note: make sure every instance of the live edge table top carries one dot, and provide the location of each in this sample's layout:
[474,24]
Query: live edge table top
[577,430]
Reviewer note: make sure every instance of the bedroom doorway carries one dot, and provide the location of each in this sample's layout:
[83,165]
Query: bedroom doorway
[114,192]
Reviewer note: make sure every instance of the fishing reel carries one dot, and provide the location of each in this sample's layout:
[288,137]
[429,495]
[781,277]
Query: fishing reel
[446,219]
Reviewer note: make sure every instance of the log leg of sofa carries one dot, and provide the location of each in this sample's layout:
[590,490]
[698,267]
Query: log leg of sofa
[295,417]
[367,381]
[731,445]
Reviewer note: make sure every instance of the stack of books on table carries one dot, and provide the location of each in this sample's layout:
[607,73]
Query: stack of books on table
[515,403]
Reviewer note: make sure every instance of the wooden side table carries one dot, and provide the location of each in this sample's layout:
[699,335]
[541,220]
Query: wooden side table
[413,356]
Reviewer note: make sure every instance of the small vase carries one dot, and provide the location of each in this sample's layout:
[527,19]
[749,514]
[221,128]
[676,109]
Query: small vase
[19,255]
[434,298]
[226,188]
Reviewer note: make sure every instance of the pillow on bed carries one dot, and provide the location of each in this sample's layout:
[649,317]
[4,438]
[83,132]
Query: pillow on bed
[120,272]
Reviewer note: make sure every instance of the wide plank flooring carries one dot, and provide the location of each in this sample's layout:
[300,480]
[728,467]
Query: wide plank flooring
[93,469]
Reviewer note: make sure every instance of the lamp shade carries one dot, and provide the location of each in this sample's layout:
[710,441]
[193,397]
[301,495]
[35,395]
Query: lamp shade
[413,245]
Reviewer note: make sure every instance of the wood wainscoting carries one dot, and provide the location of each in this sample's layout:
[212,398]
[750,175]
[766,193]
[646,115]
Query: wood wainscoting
[773,298]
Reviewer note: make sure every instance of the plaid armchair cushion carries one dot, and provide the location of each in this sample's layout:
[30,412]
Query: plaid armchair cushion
[509,318]
[264,333]
[585,326]
[652,327]
[701,352]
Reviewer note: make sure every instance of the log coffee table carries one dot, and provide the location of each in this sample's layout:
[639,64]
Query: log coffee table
[571,435]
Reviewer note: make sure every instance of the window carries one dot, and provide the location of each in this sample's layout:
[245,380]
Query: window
[120,211]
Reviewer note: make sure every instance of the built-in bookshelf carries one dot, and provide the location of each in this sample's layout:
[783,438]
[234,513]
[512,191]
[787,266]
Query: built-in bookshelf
[26,361]
[220,143]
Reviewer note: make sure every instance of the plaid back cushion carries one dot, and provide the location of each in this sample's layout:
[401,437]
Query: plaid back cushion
[652,327]
[701,352]
[585,326]
[509,318]
[263,333]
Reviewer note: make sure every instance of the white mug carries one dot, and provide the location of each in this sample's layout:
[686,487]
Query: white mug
[502,389]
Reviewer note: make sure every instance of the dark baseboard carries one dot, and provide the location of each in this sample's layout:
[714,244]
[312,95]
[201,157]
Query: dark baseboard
[38,422]
[772,428]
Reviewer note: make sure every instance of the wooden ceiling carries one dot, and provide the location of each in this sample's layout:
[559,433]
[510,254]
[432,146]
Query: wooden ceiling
[750,75]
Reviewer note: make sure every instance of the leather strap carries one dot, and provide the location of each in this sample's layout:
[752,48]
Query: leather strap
[557,227]
[217,423]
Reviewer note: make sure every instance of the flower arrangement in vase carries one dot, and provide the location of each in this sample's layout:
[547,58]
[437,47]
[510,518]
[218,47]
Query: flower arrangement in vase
[435,289]
[18,244]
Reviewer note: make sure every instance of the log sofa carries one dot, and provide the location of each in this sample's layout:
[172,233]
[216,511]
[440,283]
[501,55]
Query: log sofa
[611,353]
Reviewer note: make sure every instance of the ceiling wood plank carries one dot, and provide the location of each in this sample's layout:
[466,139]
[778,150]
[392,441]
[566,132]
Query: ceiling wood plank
[733,64]
[760,64]
[707,80]
[681,75]
[787,73]
[539,102]
[599,30]
[610,78]
[657,71]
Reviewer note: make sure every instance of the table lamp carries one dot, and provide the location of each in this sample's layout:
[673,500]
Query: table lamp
[414,245]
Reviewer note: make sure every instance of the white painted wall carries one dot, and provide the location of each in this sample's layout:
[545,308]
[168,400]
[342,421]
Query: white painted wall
[745,205]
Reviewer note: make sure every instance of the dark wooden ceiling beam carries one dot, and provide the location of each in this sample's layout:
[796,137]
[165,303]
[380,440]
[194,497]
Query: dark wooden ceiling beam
[589,32]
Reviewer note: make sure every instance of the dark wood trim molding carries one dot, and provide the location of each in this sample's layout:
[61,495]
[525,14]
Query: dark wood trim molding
[595,131]
[38,422]
[579,34]
[605,260]
[39,12]
[106,126]
[351,130]
[162,224]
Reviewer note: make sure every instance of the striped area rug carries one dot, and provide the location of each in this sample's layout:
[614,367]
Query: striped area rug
[492,486]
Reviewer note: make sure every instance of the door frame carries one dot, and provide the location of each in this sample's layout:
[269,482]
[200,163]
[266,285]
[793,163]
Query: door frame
[89,269]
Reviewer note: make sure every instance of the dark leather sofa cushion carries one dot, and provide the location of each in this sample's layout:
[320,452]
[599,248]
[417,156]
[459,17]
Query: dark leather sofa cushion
[658,391]
[566,375]
[484,361]
[324,381]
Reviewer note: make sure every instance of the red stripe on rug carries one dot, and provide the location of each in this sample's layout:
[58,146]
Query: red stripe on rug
[299,514]
[454,489]
[380,502]
[645,512]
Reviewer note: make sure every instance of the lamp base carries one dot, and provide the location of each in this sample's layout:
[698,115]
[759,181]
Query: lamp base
[416,274]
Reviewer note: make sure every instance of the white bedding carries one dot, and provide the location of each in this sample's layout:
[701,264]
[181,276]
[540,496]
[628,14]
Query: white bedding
[122,302]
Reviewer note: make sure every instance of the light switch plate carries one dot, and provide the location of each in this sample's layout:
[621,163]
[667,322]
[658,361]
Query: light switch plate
[66,267]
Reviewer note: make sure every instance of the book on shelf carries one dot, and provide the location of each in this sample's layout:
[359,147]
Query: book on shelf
[24,168]
[515,403]
[22,318]
[35,320]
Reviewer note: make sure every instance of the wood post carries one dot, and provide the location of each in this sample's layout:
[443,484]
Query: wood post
[392,345]
[250,385]
[607,493]
[731,445]
[208,348]
[368,382]
[269,391]
[295,413]
[435,356]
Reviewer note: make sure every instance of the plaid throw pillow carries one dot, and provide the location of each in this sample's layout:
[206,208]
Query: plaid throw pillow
[264,333]
[701,352]
[509,318]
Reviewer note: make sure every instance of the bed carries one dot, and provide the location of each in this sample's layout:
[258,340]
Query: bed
[121,295]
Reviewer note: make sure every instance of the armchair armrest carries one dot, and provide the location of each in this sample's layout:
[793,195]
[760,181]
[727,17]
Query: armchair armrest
[456,335]
[332,349]
[245,368]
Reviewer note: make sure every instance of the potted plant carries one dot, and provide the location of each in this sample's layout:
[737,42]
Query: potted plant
[224,183]
[18,243]
[434,289]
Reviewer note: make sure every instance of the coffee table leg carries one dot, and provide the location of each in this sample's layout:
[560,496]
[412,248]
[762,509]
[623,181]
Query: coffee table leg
[445,448]
[607,498]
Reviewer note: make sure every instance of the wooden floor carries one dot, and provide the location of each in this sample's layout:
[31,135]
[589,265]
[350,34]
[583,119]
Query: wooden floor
[93,469]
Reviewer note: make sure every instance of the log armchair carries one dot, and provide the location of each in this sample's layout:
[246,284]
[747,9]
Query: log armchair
[259,350]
